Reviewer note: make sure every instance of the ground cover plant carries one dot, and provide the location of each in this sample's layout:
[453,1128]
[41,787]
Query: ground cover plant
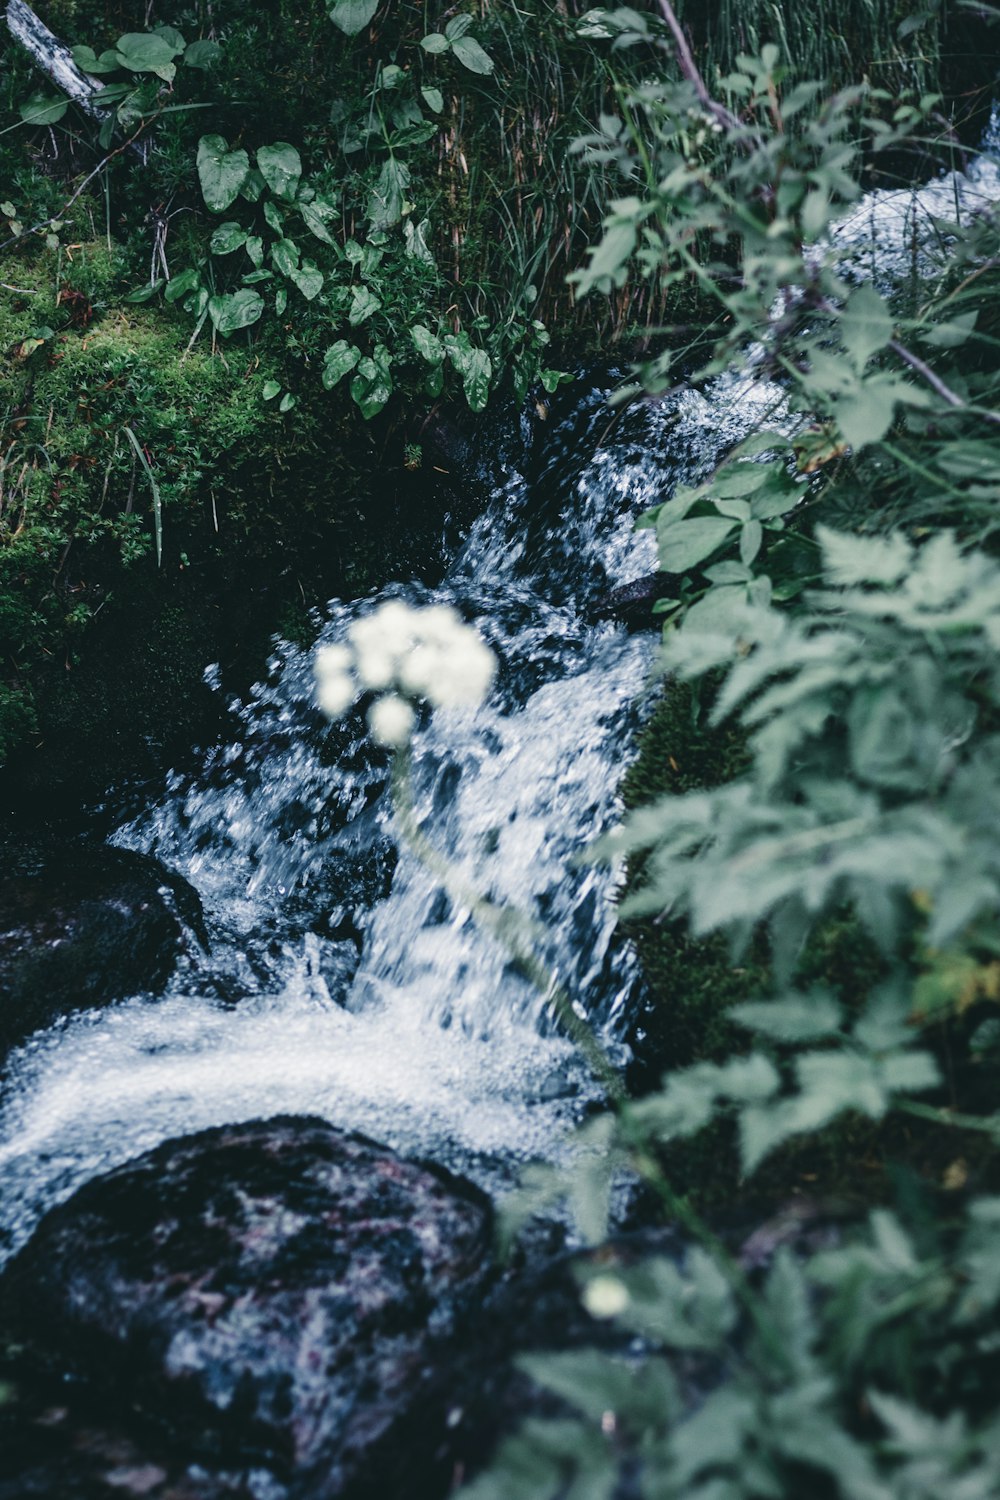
[833,647]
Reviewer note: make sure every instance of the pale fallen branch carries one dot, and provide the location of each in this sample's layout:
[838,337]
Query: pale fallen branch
[53,57]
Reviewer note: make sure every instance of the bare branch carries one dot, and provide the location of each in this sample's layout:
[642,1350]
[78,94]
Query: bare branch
[53,57]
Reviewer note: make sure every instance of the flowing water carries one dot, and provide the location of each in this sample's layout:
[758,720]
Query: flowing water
[339,979]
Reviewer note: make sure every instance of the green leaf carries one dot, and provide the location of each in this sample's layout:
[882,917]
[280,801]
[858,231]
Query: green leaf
[255,249]
[270,390]
[372,385]
[457,27]
[865,326]
[235,310]
[309,279]
[178,286]
[795,1019]
[849,560]
[427,344]
[281,167]
[227,238]
[352,16]
[866,417]
[274,217]
[87,60]
[285,255]
[433,98]
[471,55]
[684,544]
[221,172]
[751,536]
[473,365]
[287,402]
[172,37]
[435,42]
[43,109]
[951,335]
[385,203]
[202,55]
[280,301]
[338,360]
[148,52]
[314,217]
[363,304]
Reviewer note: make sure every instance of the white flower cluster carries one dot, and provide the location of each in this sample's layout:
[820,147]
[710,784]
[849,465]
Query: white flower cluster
[404,653]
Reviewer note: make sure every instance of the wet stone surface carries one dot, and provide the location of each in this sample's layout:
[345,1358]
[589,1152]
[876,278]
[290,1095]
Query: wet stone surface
[271,1304]
[83,926]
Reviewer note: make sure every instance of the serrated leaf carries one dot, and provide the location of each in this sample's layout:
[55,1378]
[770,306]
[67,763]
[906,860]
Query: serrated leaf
[281,167]
[796,1019]
[352,16]
[221,172]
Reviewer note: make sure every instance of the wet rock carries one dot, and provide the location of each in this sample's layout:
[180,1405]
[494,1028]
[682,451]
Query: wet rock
[633,602]
[81,926]
[279,1296]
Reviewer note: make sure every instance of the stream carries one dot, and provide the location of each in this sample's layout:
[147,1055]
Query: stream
[338,980]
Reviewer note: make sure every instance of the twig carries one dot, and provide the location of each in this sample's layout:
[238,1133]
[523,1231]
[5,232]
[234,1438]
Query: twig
[53,57]
[15,239]
[692,72]
[937,384]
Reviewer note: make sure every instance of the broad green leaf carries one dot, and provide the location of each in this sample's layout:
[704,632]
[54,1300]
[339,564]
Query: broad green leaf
[227,238]
[457,26]
[950,335]
[275,217]
[255,249]
[270,390]
[751,536]
[372,385]
[340,358]
[363,304]
[221,172]
[471,55]
[352,16]
[280,301]
[253,187]
[866,417]
[385,203]
[608,259]
[142,52]
[314,218]
[202,55]
[415,236]
[309,279]
[172,37]
[285,255]
[865,326]
[427,344]
[684,544]
[281,167]
[43,109]
[433,98]
[178,286]
[87,60]
[287,402]
[435,42]
[235,310]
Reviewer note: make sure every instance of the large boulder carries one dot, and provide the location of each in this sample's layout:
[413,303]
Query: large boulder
[279,1295]
[81,926]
